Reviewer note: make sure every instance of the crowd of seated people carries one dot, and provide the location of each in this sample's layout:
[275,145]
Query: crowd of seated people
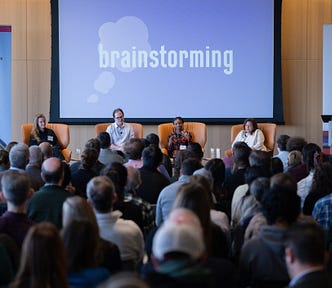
[264,222]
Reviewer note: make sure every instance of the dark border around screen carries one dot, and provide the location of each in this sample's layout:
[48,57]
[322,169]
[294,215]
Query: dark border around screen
[278,115]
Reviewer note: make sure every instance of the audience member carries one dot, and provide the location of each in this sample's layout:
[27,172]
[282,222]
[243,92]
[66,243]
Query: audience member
[77,208]
[306,256]
[40,133]
[107,155]
[133,149]
[19,157]
[167,195]
[33,169]
[282,149]
[10,145]
[152,180]
[179,139]
[46,150]
[46,203]
[295,166]
[251,135]
[94,143]
[85,172]
[4,160]
[7,272]
[262,262]
[120,132]
[295,143]
[16,191]
[80,238]
[43,261]
[124,233]
[276,166]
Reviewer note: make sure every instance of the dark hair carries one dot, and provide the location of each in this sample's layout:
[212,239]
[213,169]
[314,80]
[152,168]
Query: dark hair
[190,165]
[178,118]
[196,148]
[80,238]
[43,262]
[295,143]
[281,202]
[241,152]
[93,143]
[276,165]
[15,186]
[259,187]
[153,139]
[118,174]
[254,172]
[10,145]
[253,121]
[66,175]
[89,158]
[134,148]
[282,141]
[260,158]
[152,156]
[105,140]
[117,110]
[217,169]
[308,155]
[307,241]
[101,192]
[4,158]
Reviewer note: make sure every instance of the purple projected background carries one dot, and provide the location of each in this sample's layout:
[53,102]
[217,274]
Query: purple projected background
[241,26]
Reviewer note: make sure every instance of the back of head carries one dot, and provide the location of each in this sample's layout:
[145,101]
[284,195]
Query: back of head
[259,187]
[101,192]
[217,169]
[281,204]
[36,156]
[294,158]
[308,154]
[46,149]
[10,145]
[133,179]
[104,139]
[196,148]
[181,235]
[134,148]
[295,143]
[276,166]
[308,242]
[93,143]
[89,158]
[77,208]
[4,158]
[52,170]
[282,142]
[153,139]
[19,156]
[15,186]
[322,179]
[260,158]
[152,156]
[43,261]
[118,175]
[190,165]
[254,172]
[80,239]
[241,152]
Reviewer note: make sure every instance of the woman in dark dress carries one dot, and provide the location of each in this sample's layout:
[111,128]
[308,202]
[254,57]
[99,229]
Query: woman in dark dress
[41,134]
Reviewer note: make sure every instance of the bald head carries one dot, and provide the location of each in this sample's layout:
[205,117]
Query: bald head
[52,171]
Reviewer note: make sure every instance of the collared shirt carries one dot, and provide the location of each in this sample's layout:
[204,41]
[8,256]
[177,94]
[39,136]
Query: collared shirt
[322,212]
[120,135]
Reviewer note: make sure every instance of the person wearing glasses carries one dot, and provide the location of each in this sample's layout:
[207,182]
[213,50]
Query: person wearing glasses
[120,132]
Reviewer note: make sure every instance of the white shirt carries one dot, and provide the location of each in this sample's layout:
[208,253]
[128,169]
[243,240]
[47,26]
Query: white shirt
[254,141]
[120,135]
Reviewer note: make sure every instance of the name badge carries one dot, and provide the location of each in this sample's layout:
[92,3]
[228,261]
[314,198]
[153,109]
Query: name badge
[50,138]
[183,147]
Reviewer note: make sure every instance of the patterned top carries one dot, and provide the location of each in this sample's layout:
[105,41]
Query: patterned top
[177,141]
[322,212]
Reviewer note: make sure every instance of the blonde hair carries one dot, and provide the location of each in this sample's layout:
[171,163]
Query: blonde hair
[294,158]
[35,130]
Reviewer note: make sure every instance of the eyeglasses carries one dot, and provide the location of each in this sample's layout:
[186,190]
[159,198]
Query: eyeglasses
[120,117]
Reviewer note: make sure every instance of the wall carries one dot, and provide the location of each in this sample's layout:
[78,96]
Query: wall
[302,22]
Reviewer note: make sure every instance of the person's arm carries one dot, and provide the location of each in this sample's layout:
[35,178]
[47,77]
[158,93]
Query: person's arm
[259,140]
[33,141]
[239,137]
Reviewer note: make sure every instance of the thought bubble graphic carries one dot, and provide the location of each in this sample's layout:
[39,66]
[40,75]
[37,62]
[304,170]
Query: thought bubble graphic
[105,82]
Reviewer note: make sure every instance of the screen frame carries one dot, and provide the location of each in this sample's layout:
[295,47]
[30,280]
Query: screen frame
[278,114]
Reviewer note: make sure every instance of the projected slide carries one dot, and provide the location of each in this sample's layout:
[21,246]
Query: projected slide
[156,59]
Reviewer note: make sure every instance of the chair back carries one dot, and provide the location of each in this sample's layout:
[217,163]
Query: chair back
[268,129]
[196,129]
[137,127]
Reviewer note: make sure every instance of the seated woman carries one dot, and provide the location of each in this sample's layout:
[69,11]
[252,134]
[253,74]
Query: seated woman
[41,134]
[251,135]
[178,138]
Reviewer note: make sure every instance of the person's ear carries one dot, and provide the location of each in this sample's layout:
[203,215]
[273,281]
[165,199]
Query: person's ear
[289,255]
[30,193]
[115,197]
[2,197]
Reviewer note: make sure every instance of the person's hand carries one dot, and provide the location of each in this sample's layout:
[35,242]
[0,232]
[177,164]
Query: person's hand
[186,134]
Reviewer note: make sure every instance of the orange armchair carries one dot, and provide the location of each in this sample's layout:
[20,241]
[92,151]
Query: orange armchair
[269,130]
[61,131]
[197,130]
[137,127]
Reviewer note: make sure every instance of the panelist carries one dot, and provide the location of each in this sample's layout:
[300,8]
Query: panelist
[40,134]
[179,138]
[120,132]
[251,135]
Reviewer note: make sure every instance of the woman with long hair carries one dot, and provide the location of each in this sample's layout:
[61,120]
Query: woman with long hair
[40,133]
[43,263]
